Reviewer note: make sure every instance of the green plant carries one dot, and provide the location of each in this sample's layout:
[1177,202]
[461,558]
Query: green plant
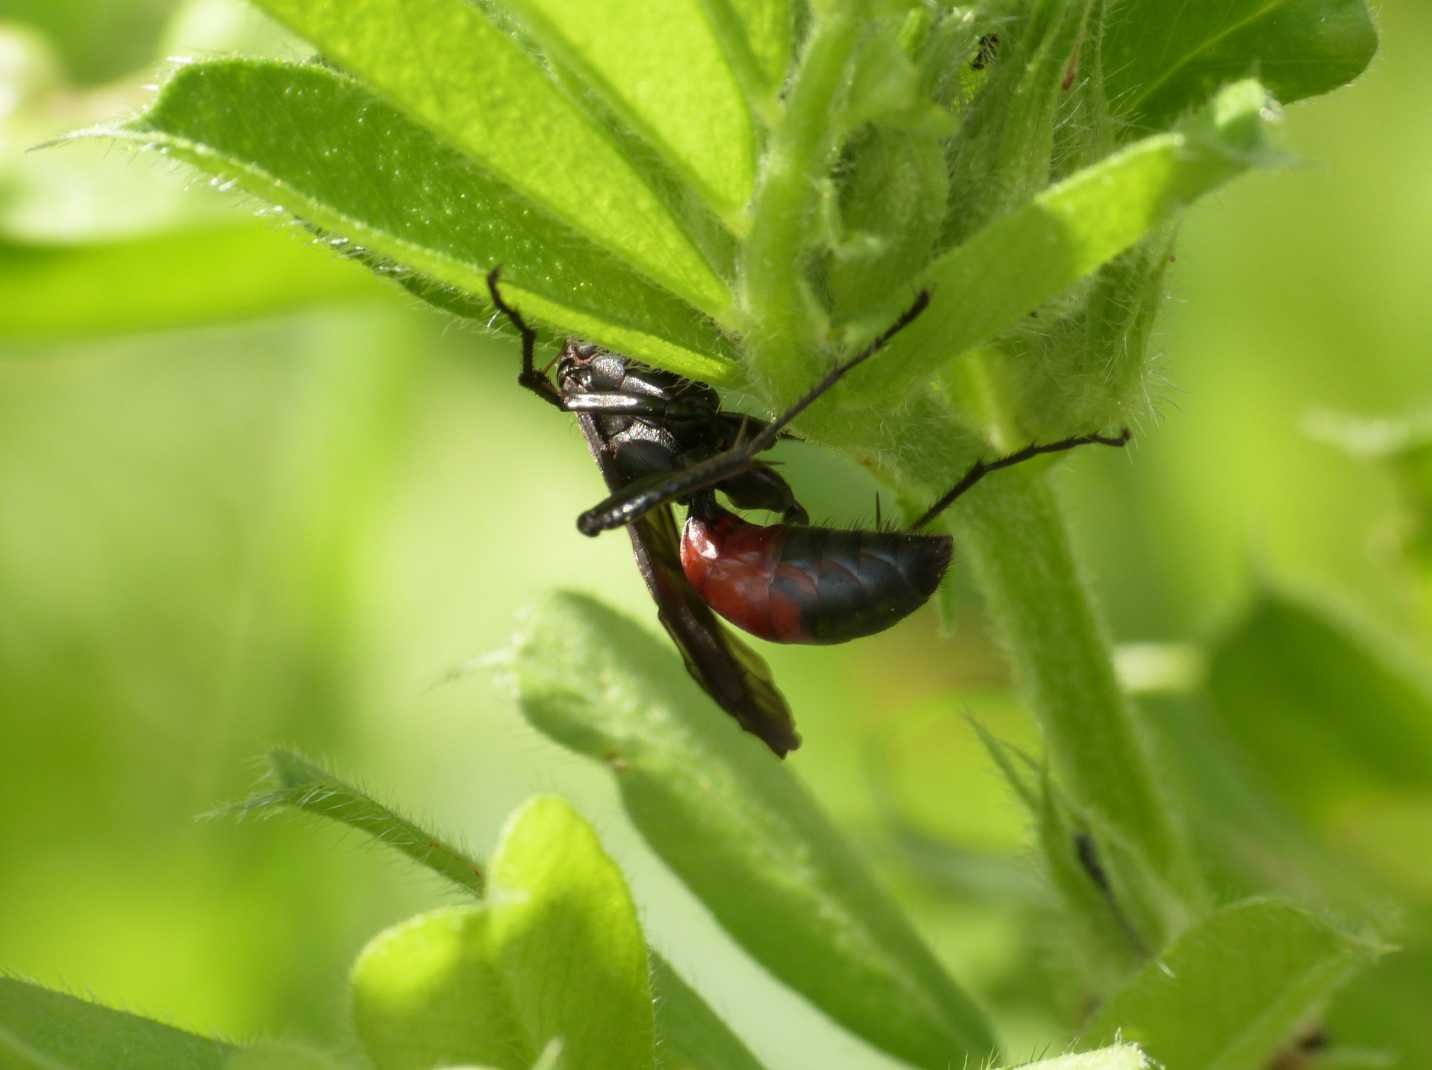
[739,192]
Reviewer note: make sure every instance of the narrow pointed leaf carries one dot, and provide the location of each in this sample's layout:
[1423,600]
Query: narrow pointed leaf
[742,833]
[1163,58]
[557,954]
[447,66]
[323,148]
[298,783]
[44,1030]
[1023,259]
[1233,989]
[667,77]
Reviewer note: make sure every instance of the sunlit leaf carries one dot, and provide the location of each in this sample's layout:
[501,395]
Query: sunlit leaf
[450,68]
[1162,58]
[1117,1057]
[667,77]
[557,953]
[175,278]
[690,1033]
[741,832]
[44,1030]
[338,158]
[763,27]
[1233,989]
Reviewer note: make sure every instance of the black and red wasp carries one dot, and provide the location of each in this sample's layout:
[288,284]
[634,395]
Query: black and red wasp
[661,439]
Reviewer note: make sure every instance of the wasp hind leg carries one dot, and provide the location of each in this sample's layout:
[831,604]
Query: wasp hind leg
[982,468]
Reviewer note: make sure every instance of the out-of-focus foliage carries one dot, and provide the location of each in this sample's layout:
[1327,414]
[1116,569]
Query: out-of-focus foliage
[217,538]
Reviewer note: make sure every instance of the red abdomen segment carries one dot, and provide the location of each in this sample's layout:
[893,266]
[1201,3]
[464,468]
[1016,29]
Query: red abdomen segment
[793,584]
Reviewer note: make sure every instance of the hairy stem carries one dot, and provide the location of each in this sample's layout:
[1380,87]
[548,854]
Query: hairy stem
[784,325]
[1011,530]
[1015,538]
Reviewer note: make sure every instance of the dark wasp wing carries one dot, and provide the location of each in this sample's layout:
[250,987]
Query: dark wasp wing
[728,670]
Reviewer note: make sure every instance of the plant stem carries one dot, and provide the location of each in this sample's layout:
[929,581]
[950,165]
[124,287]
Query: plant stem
[784,327]
[1017,542]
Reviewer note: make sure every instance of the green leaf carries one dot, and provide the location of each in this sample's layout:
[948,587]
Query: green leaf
[1019,548]
[557,953]
[1010,128]
[742,833]
[892,204]
[44,1030]
[1089,366]
[174,278]
[449,68]
[667,77]
[282,1057]
[764,29]
[1163,59]
[1117,1057]
[1233,989]
[690,1036]
[413,203]
[1023,259]
[1109,945]
[1384,1010]
[304,786]
[1323,709]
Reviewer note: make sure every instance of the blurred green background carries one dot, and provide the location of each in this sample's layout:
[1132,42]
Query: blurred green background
[251,496]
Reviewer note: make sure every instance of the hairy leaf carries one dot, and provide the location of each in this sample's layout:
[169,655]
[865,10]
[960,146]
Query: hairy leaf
[450,68]
[691,1036]
[1233,989]
[298,783]
[741,832]
[557,953]
[322,147]
[1117,1057]
[1021,260]
[44,1030]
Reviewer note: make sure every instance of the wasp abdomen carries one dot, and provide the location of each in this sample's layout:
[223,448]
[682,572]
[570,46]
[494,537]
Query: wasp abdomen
[794,584]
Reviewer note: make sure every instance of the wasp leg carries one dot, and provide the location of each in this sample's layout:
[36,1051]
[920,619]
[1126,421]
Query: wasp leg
[764,488]
[766,438]
[530,377]
[644,495]
[664,410]
[982,468]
